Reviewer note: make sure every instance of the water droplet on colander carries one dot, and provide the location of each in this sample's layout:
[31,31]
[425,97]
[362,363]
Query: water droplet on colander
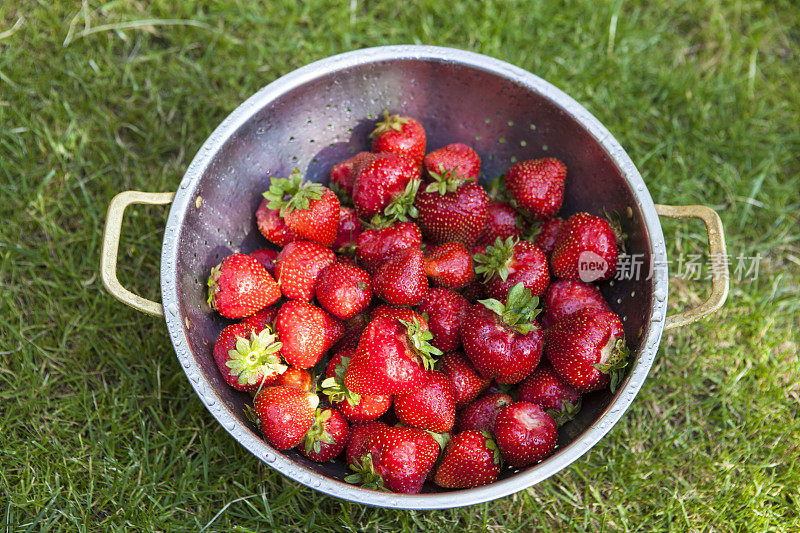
[640,187]
[173,309]
[270,458]
[230,426]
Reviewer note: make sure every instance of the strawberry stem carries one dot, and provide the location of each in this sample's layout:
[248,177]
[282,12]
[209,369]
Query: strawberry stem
[334,386]
[401,208]
[259,354]
[519,311]
[420,343]
[290,194]
[390,122]
[495,259]
[444,181]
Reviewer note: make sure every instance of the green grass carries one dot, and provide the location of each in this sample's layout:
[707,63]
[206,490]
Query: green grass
[99,428]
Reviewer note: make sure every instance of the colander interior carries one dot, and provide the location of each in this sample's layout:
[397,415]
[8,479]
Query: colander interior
[328,117]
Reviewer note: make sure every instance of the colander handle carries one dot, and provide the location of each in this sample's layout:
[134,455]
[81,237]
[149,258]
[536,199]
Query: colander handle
[108,262]
[720,275]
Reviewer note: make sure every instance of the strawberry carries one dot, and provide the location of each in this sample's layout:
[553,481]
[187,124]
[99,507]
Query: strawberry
[545,388]
[506,263]
[359,436]
[285,414]
[401,279]
[310,210]
[266,256]
[343,175]
[501,223]
[296,378]
[298,265]
[537,186]
[476,290]
[392,357]
[239,286]
[548,232]
[564,297]
[327,436]
[356,408]
[374,246]
[585,250]
[400,135]
[524,433]
[397,459]
[272,225]
[481,414]
[430,407]
[386,185]
[248,357]
[451,210]
[262,319]
[307,332]
[343,290]
[466,382]
[585,347]
[457,158]
[400,313]
[348,232]
[503,341]
[446,310]
[471,459]
[449,265]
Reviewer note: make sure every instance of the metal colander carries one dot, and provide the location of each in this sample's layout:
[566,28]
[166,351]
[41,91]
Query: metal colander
[321,114]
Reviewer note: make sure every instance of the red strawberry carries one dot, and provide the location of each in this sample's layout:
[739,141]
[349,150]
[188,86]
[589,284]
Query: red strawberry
[285,414]
[310,210]
[266,256]
[343,290]
[239,286]
[524,433]
[585,250]
[586,346]
[247,357]
[401,135]
[446,311]
[392,357]
[471,459]
[451,210]
[564,297]
[343,175]
[298,265]
[401,279]
[386,185]
[357,408]
[481,414]
[548,232]
[272,226]
[400,313]
[296,378]
[475,291]
[545,388]
[458,158]
[307,332]
[375,246]
[430,407]
[397,459]
[359,436]
[466,382]
[348,232]
[327,436]
[449,265]
[501,223]
[506,263]
[262,319]
[538,186]
[503,341]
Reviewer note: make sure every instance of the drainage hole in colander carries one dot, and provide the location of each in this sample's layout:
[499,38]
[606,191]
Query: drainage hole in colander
[308,121]
[501,140]
[510,122]
[328,106]
[487,120]
[633,293]
[523,143]
[544,147]
[352,149]
[513,159]
[477,137]
[291,139]
[533,126]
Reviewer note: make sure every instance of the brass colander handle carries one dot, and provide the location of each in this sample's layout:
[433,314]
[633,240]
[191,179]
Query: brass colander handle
[720,276]
[108,262]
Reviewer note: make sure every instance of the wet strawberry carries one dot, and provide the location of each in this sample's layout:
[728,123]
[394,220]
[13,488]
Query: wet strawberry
[457,158]
[343,174]
[343,290]
[585,250]
[506,263]
[239,286]
[467,383]
[248,358]
[262,319]
[327,436]
[471,459]
[502,222]
[295,378]
[400,313]
[306,332]
[446,310]
[537,186]
[401,279]
[548,232]
[524,433]
[564,297]
[266,256]
[359,436]
[272,225]
[385,186]
[285,415]
[356,408]
[349,230]
[430,407]
[481,414]
[449,265]
[545,388]
[298,265]
[375,246]
[401,135]
[451,210]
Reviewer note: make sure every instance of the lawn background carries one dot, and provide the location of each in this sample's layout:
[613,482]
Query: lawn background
[100,429]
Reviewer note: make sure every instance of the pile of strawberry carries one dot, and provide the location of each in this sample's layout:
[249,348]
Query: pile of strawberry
[419,306]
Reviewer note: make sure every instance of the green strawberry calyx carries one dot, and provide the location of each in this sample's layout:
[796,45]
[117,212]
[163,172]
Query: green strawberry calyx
[390,122]
[495,260]
[491,445]
[213,286]
[519,312]
[335,389]
[400,209]
[442,439]
[292,193]
[446,180]
[365,474]
[616,363]
[317,434]
[420,343]
[260,354]
[568,411]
